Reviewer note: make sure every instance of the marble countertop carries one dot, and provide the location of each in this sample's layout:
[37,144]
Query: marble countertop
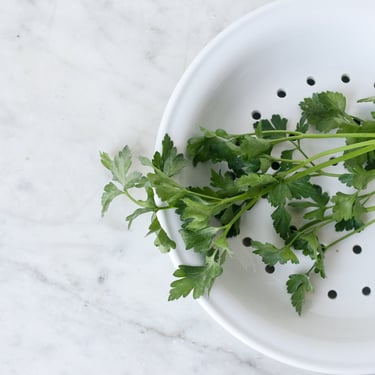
[81,294]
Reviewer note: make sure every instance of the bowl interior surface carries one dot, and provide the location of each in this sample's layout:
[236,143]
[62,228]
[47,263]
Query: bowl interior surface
[284,46]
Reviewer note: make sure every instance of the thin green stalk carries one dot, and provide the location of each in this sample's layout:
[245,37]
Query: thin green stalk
[363,150]
[296,135]
[310,270]
[203,195]
[322,136]
[274,158]
[326,174]
[239,214]
[310,225]
[367,195]
[136,201]
[298,147]
[335,150]
[370,209]
[360,229]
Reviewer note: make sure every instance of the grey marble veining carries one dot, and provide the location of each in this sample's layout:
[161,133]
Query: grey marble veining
[81,294]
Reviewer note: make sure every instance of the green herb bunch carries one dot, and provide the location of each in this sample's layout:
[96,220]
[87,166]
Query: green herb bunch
[211,214]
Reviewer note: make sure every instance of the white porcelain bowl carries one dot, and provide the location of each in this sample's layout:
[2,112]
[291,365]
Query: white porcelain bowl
[281,46]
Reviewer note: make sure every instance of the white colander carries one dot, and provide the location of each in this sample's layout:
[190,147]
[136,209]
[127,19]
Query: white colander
[267,62]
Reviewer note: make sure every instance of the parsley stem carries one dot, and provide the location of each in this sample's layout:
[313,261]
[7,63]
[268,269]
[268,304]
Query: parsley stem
[136,201]
[271,132]
[321,136]
[294,161]
[239,214]
[327,174]
[370,209]
[310,225]
[360,229]
[311,269]
[201,195]
[298,147]
[364,148]
[367,195]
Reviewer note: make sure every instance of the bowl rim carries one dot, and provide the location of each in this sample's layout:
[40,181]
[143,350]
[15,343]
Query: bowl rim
[178,91]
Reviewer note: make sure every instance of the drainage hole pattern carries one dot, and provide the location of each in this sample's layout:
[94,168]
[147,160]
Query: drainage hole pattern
[332,294]
[357,249]
[310,81]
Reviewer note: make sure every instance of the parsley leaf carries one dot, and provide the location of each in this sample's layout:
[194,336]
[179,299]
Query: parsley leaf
[281,221]
[318,204]
[359,177]
[285,190]
[111,191]
[166,188]
[169,161]
[302,188]
[162,240]
[196,279]
[347,206]
[200,240]
[252,147]
[280,194]
[227,215]
[225,183]
[286,154]
[106,160]
[298,285]
[254,180]
[210,215]
[312,245]
[302,125]
[214,148]
[325,110]
[272,255]
[276,123]
[197,212]
[120,165]
[349,224]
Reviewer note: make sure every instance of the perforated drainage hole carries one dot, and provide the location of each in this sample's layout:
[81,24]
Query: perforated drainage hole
[345,78]
[293,228]
[332,159]
[275,165]
[332,294]
[246,241]
[281,93]
[357,249]
[270,269]
[256,115]
[310,81]
[366,291]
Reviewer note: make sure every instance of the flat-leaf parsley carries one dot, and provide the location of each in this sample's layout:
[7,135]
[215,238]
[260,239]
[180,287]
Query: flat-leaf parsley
[210,214]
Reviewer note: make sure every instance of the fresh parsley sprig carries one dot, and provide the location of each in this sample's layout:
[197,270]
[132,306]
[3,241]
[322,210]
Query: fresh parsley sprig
[211,214]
